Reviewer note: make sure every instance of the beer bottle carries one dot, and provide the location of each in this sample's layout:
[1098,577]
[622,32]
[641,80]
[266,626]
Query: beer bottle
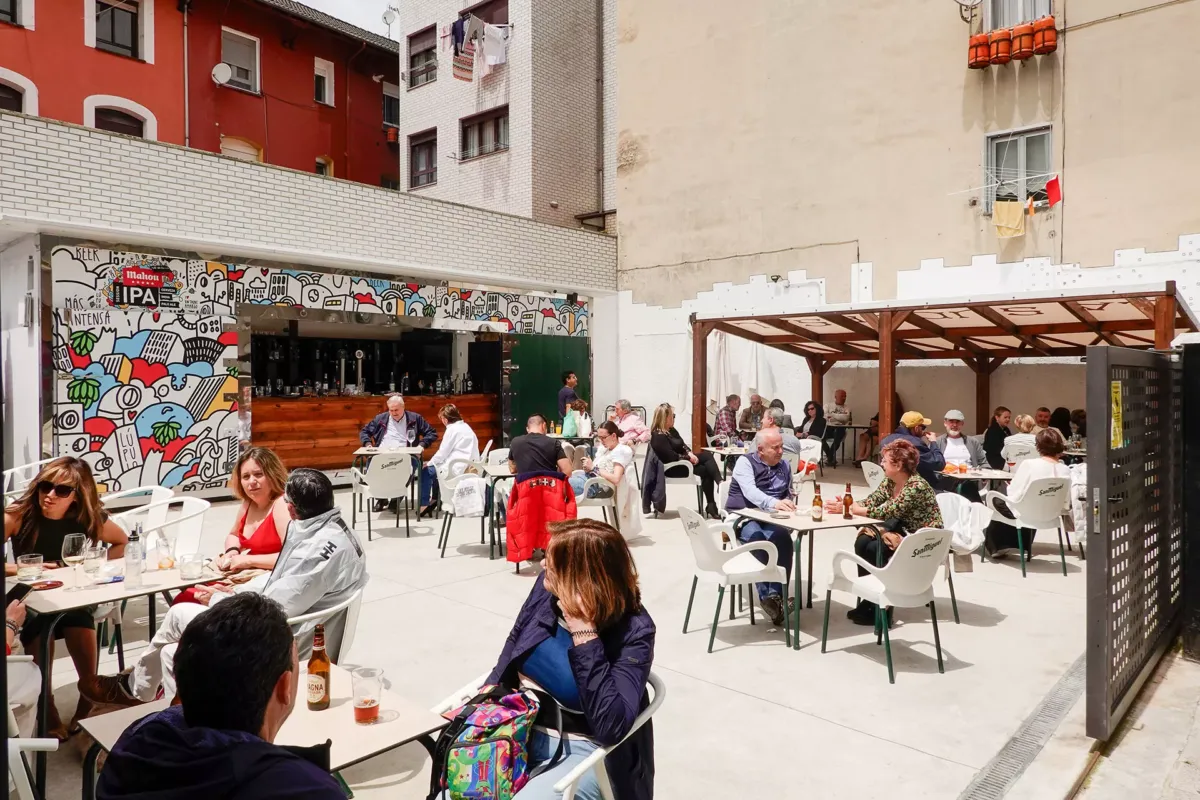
[318,673]
[847,501]
[818,510]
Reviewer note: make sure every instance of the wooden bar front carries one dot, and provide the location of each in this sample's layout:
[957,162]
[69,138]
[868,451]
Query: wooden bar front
[322,432]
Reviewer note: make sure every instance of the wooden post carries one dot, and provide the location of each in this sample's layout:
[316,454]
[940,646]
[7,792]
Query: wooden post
[887,375]
[983,393]
[699,383]
[817,367]
[1164,321]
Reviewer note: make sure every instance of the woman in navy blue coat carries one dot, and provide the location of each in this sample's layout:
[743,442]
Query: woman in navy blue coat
[584,638]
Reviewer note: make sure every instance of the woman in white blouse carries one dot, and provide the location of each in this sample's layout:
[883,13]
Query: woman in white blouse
[1050,445]
[458,444]
[1021,445]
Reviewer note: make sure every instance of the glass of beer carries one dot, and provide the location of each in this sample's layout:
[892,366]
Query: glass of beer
[368,686]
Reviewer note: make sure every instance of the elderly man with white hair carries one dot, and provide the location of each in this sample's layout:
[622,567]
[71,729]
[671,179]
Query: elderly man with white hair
[763,480]
[633,428]
[397,428]
[773,418]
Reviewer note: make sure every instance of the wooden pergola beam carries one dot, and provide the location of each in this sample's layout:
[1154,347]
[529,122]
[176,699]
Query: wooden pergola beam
[700,331]
[1083,315]
[1009,328]
[809,336]
[1165,309]
[938,330]
[887,374]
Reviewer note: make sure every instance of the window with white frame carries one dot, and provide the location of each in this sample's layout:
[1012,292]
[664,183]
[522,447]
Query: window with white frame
[240,52]
[422,57]
[117,27]
[323,81]
[391,104]
[1019,164]
[485,133]
[1006,13]
[422,159]
[11,98]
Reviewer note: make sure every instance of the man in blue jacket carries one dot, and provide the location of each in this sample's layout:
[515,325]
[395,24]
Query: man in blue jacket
[399,428]
[238,677]
[914,429]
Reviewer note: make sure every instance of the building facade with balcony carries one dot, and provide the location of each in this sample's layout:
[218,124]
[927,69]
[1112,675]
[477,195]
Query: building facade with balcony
[298,88]
[525,136]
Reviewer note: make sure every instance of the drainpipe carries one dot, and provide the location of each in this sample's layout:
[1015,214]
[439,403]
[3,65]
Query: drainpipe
[187,115]
[347,153]
[600,206]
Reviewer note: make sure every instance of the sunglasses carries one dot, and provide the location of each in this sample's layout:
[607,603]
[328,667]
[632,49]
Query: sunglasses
[59,489]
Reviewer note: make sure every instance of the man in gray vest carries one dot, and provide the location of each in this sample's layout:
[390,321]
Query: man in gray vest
[763,480]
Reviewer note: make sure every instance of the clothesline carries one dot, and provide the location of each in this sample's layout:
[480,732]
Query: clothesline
[1046,175]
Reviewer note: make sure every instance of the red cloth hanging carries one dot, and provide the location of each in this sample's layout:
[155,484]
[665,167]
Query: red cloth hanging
[1054,191]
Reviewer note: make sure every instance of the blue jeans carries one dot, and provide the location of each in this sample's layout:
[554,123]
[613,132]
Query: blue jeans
[541,747]
[578,479]
[755,531]
[428,478]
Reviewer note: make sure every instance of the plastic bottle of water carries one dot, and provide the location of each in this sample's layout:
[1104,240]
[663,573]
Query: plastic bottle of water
[133,559]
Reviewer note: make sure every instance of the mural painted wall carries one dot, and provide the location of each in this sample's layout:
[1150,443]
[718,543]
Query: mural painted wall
[146,351]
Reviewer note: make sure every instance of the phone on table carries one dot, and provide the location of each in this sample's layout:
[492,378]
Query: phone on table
[17,592]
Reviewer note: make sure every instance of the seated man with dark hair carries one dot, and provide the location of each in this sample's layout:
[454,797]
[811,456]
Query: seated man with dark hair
[321,564]
[238,676]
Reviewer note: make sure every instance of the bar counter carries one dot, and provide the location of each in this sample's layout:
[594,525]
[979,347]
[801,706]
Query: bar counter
[322,432]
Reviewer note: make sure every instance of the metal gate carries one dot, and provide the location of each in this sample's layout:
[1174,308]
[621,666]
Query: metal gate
[1135,536]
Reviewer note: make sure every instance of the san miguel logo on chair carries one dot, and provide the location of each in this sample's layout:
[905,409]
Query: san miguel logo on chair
[145,286]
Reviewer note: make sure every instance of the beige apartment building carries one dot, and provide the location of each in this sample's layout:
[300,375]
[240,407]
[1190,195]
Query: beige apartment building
[759,137]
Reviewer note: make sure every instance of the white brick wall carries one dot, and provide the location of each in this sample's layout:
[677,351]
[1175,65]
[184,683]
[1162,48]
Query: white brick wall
[56,172]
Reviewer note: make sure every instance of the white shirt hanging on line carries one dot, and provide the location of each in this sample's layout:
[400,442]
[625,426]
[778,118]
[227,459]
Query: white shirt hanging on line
[495,45]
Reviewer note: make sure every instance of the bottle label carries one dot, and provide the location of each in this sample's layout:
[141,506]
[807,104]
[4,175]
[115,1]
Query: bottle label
[817,513]
[316,688]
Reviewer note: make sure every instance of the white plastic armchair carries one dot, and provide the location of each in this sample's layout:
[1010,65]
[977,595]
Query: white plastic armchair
[157,495]
[18,770]
[183,532]
[1042,507]
[873,473]
[603,503]
[351,605]
[497,457]
[568,785]
[690,479]
[387,478]
[17,479]
[809,460]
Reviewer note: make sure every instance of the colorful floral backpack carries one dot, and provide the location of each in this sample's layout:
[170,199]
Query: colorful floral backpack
[483,754]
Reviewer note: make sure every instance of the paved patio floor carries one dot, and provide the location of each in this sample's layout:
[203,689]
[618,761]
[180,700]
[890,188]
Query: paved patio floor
[752,718]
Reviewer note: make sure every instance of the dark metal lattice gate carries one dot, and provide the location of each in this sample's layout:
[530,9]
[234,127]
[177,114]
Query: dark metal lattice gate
[1135,534]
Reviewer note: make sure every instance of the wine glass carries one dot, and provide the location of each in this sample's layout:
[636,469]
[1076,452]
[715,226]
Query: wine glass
[93,560]
[412,437]
[73,547]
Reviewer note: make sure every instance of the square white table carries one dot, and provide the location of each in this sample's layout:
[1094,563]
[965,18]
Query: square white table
[57,602]
[728,456]
[801,523]
[401,721]
[991,476]
[375,451]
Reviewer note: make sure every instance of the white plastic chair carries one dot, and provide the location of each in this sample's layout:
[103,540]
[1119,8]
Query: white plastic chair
[873,474]
[691,479]
[725,568]
[603,503]
[447,483]
[18,769]
[497,457]
[966,521]
[1018,454]
[569,783]
[153,494]
[905,582]
[387,478]
[1042,507]
[351,605]
[486,449]
[809,462]
[17,479]
[182,532]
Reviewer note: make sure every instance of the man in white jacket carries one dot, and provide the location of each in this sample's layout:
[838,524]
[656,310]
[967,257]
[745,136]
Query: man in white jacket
[321,564]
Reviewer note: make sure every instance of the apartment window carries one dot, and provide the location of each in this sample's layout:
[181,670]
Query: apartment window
[485,133]
[117,27]
[323,81]
[114,121]
[8,13]
[11,99]
[422,57]
[389,182]
[493,12]
[1006,13]
[391,104]
[324,166]
[241,149]
[240,52]
[1018,165]
[422,159]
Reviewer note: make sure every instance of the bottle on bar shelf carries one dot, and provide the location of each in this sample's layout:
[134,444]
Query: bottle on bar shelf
[325,384]
[438,386]
[818,510]
[391,381]
[404,383]
[847,502]
[470,387]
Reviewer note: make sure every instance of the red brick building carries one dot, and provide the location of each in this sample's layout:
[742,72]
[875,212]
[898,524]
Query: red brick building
[298,88]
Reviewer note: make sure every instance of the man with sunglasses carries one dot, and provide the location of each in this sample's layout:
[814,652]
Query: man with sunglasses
[321,565]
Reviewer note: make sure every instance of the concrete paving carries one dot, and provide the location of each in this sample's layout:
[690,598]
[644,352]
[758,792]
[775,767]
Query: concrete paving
[752,717]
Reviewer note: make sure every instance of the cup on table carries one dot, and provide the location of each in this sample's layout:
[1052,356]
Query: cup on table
[29,567]
[191,566]
[368,688]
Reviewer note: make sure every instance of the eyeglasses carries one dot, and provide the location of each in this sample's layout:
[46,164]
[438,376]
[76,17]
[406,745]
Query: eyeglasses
[59,489]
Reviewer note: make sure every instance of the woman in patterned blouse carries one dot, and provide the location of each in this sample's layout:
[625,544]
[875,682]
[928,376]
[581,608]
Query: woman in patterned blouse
[904,497]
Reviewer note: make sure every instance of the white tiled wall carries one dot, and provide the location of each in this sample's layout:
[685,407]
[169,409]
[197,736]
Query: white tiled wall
[55,172]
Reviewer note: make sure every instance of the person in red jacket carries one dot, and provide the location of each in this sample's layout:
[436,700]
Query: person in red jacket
[540,494]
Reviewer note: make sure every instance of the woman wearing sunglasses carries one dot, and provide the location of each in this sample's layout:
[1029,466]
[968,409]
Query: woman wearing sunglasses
[60,501]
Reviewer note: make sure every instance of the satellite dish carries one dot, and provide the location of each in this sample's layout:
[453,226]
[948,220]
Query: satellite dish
[222,73]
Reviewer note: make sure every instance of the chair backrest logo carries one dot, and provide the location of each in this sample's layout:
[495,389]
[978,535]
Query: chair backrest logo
[921,551]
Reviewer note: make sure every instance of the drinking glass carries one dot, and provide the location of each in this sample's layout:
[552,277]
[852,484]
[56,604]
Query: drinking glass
[191,566]
[29,567]
[73,548]
[412,438]
[368,687]
[94,557]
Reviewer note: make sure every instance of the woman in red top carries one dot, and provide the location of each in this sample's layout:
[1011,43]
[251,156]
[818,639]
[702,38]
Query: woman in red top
[257,536]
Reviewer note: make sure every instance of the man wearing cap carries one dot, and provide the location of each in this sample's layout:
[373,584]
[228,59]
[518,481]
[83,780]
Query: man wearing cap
[958,449]
[914,430]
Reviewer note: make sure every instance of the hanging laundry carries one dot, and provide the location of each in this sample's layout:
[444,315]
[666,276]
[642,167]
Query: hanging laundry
[1029,206]
[473,28]
[1008,217]
[1054,191]
[457,33]
[447,38]
[495,45]
[464,63]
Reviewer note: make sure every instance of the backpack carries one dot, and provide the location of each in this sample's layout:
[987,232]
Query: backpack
[483,754]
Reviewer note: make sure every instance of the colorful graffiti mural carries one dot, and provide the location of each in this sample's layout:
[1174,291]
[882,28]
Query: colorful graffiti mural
[147,357]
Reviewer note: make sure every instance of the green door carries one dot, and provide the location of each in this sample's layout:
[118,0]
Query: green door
[538,364]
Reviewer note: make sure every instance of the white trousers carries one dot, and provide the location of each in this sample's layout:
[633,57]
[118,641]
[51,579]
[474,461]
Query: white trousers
[24,688]
[156,665]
